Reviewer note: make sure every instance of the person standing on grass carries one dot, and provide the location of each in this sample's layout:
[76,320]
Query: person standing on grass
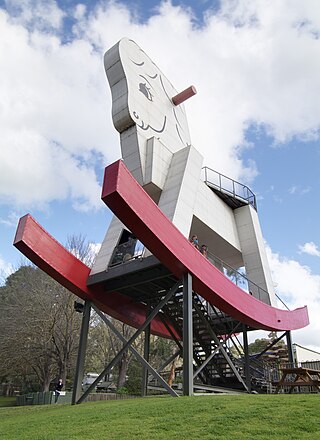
[58,389]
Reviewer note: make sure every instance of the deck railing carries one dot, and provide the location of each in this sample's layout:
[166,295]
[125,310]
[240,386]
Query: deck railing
[240,279]
[229,186]
[128,251]
[134,249]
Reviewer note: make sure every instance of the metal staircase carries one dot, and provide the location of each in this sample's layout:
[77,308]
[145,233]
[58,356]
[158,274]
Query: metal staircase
[214,332]
[214,364]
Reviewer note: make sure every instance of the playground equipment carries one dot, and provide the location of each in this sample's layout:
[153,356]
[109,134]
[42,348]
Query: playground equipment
[147,273]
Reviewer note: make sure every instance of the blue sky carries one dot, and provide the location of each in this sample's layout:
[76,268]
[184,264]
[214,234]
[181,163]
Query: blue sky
[256,116]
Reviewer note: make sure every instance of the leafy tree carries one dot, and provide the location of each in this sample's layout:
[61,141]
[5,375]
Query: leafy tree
[104,345]
[160,350]
[40,328]
[40,331]
[260,344]
[134,379]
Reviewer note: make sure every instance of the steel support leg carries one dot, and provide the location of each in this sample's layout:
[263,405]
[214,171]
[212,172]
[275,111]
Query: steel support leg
[289,347]
[77,385]
[246,358]
[187,336]
[146,353]
[128,345]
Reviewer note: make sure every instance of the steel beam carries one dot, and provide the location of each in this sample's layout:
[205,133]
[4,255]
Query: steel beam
[140,358]
[176,340]
[274,342]
[130,341]
[246,358]
[169,360]
[77,385]
[289,347]
[205,362]
[146,353]
[187,336]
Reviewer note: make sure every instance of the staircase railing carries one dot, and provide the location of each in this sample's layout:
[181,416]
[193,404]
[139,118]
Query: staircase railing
[227,185]
[262,372]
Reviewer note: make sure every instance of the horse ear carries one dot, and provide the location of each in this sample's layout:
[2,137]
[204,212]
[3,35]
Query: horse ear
[115,71]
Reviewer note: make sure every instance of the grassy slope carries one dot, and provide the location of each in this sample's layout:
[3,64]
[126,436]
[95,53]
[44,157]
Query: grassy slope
[206,417]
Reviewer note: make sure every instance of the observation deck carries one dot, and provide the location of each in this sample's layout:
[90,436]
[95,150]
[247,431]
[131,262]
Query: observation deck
[233,193]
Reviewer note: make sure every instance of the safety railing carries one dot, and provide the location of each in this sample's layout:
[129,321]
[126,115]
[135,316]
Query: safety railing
[239,279]
[227,185]
[128,251]
[134,249]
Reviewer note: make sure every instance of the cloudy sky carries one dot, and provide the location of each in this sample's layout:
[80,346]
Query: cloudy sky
[255,118]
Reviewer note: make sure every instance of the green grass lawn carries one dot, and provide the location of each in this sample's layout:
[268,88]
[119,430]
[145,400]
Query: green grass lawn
[229,417]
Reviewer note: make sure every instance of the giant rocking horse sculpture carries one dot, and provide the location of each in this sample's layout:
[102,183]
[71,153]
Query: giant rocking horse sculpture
[158,197]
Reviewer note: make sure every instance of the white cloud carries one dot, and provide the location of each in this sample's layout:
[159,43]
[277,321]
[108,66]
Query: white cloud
[298,190]
[250,64]
[293,189]
[80,11]
[11,220]
[38,14]
[54,125]
[298,286]
[310,248]
[5,270]
[246,71]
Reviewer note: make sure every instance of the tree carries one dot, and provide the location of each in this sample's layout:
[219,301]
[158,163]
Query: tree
[258,345]
[65,333]
[40,328]
[81,248]
[261,344]
[104,345]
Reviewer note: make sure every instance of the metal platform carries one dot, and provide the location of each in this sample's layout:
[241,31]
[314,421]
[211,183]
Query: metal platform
[142,279]
[231,200]
[233,193]
[147,280]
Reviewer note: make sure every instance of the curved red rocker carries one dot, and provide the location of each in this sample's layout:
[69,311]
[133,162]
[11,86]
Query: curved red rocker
[133,206]
[49,255]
